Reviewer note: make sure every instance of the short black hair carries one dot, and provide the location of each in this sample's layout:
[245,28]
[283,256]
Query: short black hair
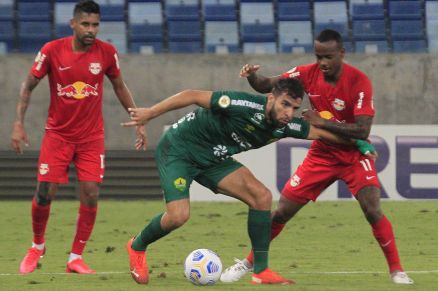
[329,35]
[86,6]
[291,86]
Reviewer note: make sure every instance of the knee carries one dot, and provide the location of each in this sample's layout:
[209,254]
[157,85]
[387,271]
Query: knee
[45,193]
[176,220]
[91,192]
[373,214]
[262,199]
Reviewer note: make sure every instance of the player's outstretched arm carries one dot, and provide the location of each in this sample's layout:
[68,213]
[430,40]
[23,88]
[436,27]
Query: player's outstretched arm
[182,99]
[362,145]
[125,98]
[258,82]
[360,129]
[19,135]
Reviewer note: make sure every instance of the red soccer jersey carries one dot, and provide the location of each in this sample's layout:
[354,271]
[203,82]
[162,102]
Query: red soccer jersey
[351,96]
[76,87]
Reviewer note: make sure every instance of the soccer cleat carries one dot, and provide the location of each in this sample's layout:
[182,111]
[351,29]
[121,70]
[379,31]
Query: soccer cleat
[235,272]
[79,266]
[137,264]
[30,261]
[399,277]
[270,277]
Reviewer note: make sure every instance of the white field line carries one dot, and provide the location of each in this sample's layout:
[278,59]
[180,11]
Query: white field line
[304,273]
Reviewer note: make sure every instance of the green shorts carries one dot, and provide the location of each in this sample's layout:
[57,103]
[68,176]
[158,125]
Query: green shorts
[177,172]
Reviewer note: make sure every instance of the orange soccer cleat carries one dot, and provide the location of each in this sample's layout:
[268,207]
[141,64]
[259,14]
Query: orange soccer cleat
[79,266]
[270,277]
[137,264]
[30,261]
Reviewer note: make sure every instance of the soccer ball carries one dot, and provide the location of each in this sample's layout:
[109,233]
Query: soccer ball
[203,267]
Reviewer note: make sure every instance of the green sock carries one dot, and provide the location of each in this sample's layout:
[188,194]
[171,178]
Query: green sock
[259,230]
[149,234]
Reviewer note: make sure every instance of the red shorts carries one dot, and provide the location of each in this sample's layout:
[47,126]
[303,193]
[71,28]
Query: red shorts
[56,156]
[313,176]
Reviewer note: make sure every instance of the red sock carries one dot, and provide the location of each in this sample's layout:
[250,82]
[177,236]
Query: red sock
[84,227]
[40,216]
[276,228]
[382,231]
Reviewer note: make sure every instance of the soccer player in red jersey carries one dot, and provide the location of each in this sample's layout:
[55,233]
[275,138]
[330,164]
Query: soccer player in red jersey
[341,99]
[76,67]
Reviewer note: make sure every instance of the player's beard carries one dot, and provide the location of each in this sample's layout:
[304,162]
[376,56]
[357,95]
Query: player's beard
[87,40]
[273,120]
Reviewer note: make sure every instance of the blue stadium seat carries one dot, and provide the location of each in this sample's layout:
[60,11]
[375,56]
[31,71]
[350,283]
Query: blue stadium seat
[7,34]
[431,9]
[341,27]
[145,27]
[114,32]
[6,10]
[184,36]
[219,10]
[367,11]
[405,10]
[293,10]
[63,12]
[257,22]
[112,12]
[370,47]
[221,37]
[256,13]
[369,30]
[407,30]
[332,11]
[182,10]
[185,47]
[33,34]
[259,48]
[295,37]
[33,11]
[409,46]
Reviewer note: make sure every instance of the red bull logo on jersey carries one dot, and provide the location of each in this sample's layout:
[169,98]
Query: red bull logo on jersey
[77,90]
[95,68]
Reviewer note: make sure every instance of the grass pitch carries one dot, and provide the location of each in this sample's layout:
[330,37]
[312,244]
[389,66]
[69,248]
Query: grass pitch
[328,246]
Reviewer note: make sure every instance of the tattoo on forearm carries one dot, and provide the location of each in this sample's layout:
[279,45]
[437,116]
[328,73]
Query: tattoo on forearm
[358,130]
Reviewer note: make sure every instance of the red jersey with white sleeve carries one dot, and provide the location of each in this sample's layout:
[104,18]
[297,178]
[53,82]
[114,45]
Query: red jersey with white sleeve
[76,87]
[351,96]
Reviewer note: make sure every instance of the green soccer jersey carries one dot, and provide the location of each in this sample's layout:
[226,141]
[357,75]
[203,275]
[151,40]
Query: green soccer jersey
[235,122]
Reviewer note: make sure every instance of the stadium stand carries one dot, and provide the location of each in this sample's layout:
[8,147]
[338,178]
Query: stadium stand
[145,27]
[248,26]
[257,27]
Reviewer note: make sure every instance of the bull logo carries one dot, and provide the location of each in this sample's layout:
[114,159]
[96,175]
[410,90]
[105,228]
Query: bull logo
[77,90]
[95,68]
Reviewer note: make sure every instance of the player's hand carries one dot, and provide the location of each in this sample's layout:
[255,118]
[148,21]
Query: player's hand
[366,149]
[248,69]
[139,116]
[141,141]
[18,136]
[313,117]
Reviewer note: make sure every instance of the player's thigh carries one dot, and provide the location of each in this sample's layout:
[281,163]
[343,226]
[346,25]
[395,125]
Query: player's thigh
[308,181]
[176,176]
[360,175]
[211,176]
[89,160]
[243,185]
[54,160]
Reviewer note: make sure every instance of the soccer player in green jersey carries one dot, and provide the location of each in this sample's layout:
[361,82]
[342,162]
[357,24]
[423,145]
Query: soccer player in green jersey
[200,146]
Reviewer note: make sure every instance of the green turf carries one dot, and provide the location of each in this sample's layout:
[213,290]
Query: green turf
[324,238]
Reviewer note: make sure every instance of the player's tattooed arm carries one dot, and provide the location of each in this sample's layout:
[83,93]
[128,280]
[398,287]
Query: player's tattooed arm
[258,82]
[23,99]
[360,129]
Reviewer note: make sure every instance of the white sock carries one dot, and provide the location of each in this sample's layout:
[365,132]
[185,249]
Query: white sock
[73,257]
[38,246]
